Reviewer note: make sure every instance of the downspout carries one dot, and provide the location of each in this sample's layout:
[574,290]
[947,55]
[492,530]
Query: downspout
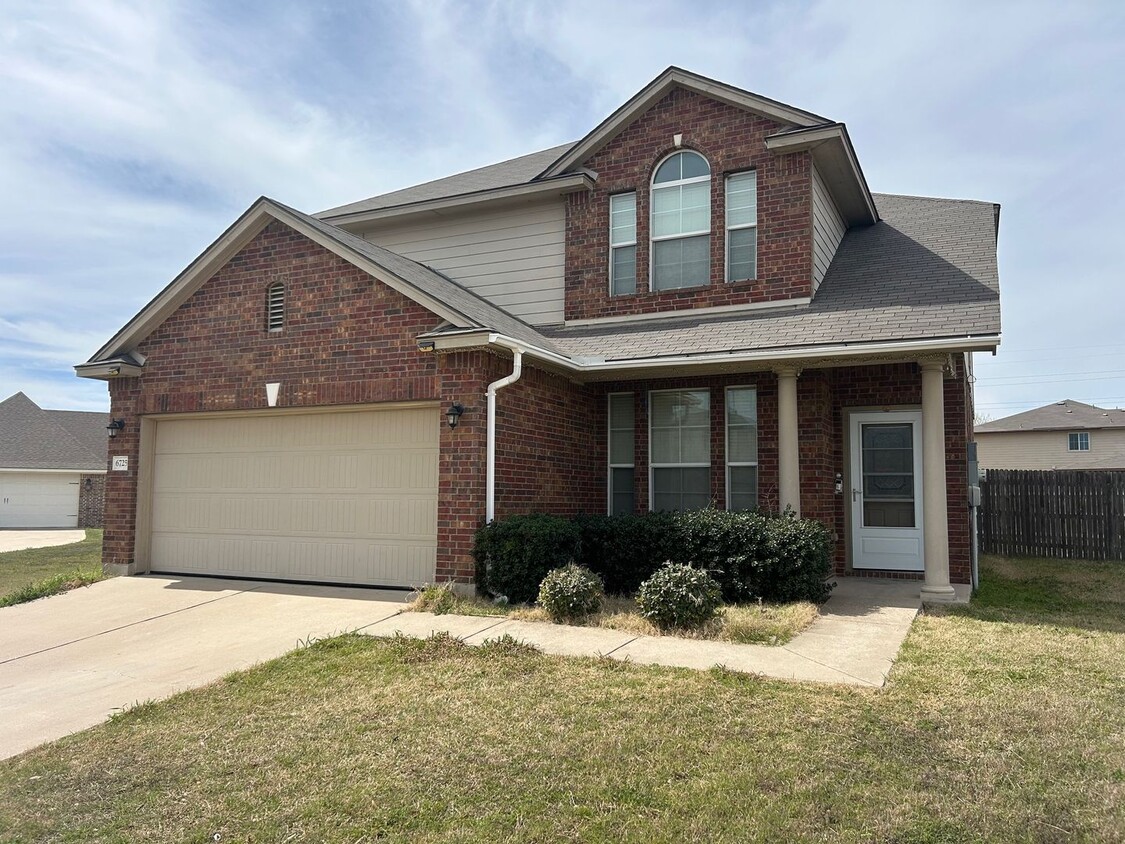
[493,388]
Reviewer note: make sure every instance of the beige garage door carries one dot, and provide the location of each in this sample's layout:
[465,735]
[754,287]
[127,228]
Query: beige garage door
[347,497]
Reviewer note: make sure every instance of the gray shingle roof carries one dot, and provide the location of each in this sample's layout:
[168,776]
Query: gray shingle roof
[478,312]
[514,171]
[1067,415]
[926,270]
[33,438]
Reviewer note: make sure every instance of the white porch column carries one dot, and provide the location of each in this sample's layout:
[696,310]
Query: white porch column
[934,516]
[788,456]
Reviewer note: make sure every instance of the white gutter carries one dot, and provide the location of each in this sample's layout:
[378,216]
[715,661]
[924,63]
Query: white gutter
[490,447]
[984,342]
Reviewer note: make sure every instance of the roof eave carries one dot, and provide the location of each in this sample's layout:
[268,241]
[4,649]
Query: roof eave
[108,370]
[471,338]
[660,86]
[836,161]
[562,185]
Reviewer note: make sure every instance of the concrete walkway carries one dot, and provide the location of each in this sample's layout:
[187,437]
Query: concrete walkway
[855,640]
[70,661]
[18,540]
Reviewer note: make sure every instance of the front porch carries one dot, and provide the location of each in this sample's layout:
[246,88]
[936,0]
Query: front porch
[790,437]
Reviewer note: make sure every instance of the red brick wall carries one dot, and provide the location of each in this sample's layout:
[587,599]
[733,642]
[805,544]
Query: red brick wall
[91,501]
[547,459]
[731,140]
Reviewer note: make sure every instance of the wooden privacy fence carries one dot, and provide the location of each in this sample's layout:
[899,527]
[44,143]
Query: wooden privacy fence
[1072,514]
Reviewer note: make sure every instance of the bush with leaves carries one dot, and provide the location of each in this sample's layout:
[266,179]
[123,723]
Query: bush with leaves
[571,592]
[513,555]
[679,596]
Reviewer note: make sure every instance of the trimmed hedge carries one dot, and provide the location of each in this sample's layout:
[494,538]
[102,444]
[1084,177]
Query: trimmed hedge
[752,555]
[513,555]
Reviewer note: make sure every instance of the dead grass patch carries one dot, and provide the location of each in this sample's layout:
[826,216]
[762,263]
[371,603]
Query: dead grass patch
[990,730]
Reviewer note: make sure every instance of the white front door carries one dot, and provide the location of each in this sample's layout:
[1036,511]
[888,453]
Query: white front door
[886,490]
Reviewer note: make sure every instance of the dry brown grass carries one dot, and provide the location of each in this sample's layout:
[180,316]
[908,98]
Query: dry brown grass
[990,730]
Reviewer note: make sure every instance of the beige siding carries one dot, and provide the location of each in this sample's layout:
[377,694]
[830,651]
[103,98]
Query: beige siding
[513,256]
[345,497]
[1048,450]
[828,229]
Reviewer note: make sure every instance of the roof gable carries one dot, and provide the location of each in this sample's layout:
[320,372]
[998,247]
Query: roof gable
[434,291]
[656,90]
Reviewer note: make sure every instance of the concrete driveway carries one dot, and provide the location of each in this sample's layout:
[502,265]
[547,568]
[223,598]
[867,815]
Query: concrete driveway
[17,540]
[70,661]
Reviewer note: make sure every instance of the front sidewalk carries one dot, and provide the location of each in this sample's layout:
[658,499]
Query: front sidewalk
[854,642]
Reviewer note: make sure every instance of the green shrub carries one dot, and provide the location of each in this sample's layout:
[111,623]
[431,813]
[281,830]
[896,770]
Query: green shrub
[513,555]
[752,555]
[679,596]
[627,550]
[571,592]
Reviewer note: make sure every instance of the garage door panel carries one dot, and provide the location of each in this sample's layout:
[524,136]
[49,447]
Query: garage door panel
[38,499]
[350,498]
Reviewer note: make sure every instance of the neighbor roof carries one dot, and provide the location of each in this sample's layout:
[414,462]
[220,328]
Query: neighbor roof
[1066,415]
[926,271]
[33,438]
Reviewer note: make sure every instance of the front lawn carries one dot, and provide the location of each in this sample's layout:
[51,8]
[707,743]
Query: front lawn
[38,572]
[1002,721]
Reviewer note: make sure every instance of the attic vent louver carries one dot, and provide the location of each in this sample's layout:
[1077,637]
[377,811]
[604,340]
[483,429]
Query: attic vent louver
[275,307]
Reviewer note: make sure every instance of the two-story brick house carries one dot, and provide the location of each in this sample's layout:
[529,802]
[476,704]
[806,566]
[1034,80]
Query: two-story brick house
[700,303]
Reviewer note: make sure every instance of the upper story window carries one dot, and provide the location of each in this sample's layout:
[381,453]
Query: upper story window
[742,226]
[1079,441]
[681,222]
[275,307]
[623,244]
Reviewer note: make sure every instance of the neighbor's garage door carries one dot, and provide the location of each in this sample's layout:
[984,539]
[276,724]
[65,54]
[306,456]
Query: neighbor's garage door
[38,500]
[348,497]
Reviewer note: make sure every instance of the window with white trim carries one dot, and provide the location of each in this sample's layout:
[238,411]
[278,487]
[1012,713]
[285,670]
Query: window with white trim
[622,244]
[681,222]
[742,448]
[622,439]
[275,307]
[1079,441]
[680,449]
[742,226]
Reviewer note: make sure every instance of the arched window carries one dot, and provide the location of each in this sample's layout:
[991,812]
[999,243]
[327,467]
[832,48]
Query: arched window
[681,222]
[275,307]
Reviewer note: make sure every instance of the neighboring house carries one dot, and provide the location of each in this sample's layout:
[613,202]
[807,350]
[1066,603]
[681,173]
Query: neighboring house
[52,466]
[1065,435]
[698,303]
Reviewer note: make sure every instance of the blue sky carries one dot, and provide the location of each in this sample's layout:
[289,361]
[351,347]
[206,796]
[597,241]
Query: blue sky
[135,132]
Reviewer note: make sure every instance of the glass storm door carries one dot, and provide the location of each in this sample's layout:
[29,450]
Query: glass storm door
[886,490]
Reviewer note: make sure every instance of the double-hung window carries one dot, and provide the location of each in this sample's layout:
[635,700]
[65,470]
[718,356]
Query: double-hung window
[681,222]
[1079,441]
[680,449]
[742,226]
[622,244]
[621,454]
[742,448]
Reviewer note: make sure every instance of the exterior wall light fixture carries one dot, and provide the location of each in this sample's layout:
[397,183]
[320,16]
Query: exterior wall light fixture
[114,426]
[453,415]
